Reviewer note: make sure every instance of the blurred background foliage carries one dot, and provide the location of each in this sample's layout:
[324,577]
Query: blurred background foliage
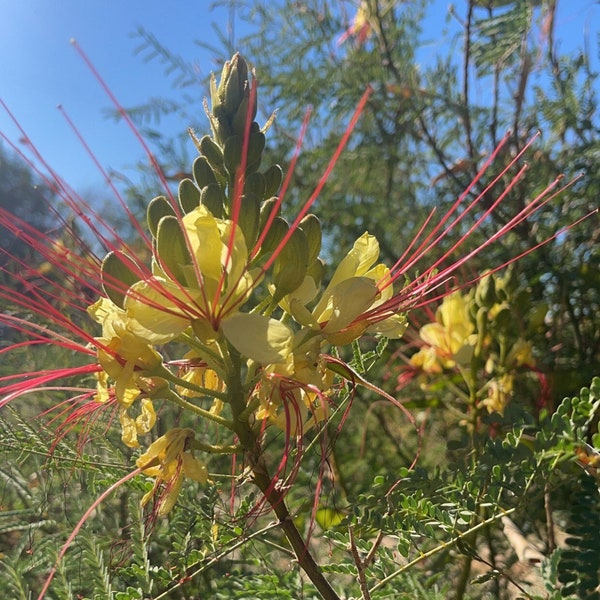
[497,506]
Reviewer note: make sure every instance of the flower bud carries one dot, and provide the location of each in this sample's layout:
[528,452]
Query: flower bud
[212,197]
[273,178]
[171,249]
[291,265]
[312,229]
[233,86]
[158,208]
[189,195]
[485,293]
[118,274]
[203,173]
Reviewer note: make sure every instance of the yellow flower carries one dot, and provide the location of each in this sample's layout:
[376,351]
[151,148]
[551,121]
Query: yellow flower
[131,427]
[521,354]
[450,339]
[169,460]
[199,374]
[357,287]
[499,393]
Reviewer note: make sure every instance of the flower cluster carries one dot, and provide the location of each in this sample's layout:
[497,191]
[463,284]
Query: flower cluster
[230,319]
[481,332]
[235,289]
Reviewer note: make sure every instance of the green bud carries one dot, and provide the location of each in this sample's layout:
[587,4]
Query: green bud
[291,265]
[507,284]
[119,273]
[273,178]
[267,207]
[203,173]
[481,322]
[213,154]
[485,294]
[232,153]
[249,218]
[276,233]
[312,228]
[171,249]
[537,315]
[316,269]
[212,197]
[240,119]
[504,319]
[158,208]
[234,84]
[255,184]
[189,195]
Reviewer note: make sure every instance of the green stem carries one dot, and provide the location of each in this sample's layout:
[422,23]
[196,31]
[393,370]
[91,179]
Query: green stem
[171,396]
[212,449]
[164,373]
[273,495]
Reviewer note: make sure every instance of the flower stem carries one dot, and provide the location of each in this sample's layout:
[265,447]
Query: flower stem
[274,496]
[305,559]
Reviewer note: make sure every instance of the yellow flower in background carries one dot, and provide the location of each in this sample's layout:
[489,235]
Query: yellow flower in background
[500,391]
[521,354]
[169,459]
[452,334]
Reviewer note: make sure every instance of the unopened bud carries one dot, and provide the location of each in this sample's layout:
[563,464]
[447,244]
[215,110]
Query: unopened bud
[233,86]
[312,229]
[291,265]
[158,208]
[171,249]
[118,275]
[189,195]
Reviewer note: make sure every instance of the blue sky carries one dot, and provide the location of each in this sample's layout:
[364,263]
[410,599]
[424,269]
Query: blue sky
[39,69]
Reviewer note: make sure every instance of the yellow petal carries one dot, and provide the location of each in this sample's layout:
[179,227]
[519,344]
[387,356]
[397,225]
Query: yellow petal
[259,338]
[349,299]
[169,498]
[129,433]
[359,260]
[194,468]
[156,309]
[147,417]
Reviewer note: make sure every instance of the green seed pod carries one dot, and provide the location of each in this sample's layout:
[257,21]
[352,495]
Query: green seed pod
[158,208]
[312,228]
[203,174]
[291,265]
[189,195]
[171,249]
[212,197]
[273,178]
[119,273]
